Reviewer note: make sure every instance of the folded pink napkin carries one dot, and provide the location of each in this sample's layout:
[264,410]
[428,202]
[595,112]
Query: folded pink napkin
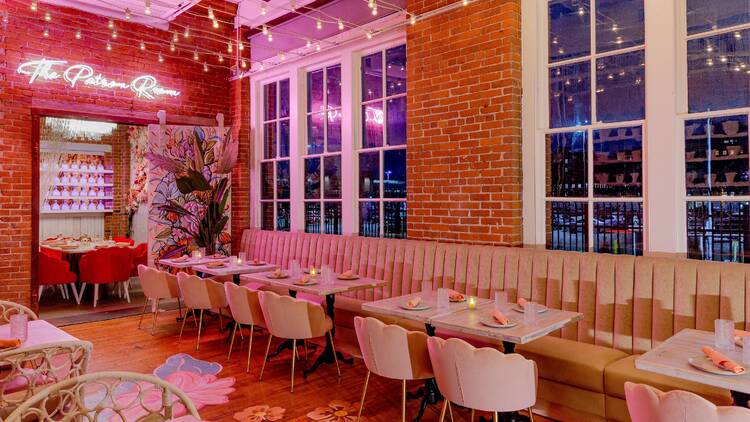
[723,362]
[414,302]
[9,342]
[499,317]
[455,296]
[521,302]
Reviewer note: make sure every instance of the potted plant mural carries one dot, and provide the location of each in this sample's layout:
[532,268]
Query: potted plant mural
[201,174]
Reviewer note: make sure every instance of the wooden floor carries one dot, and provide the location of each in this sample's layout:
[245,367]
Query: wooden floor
[120,345]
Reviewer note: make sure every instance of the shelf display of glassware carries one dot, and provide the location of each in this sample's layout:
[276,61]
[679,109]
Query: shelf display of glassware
[82,183]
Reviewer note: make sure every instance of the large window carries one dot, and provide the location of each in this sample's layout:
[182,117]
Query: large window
[594,145]
[323,151]
[274,165]
[382,154]
[717,183]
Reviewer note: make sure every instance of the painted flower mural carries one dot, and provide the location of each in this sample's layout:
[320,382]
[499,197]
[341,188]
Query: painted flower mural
[190,181]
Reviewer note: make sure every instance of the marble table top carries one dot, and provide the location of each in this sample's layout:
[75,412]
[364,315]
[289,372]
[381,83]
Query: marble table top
[231,268]
[170,262]
[671,358]
[319,289]
[468,321]
[392,307]
[84,247]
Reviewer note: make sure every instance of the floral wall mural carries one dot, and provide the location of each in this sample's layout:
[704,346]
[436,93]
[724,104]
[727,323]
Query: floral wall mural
[189,189]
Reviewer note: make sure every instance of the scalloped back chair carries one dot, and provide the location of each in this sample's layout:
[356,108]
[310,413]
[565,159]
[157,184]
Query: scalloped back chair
[648,404]
[157,285]
[111,396]
[244,304]
[201,294]
[293,319]
[123,239]
[140,257]
[391,351]
[25,371]
[55,272]
[105,266]
[8,309]
[482,378]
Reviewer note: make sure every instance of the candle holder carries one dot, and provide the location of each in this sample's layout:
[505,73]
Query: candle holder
[472,302]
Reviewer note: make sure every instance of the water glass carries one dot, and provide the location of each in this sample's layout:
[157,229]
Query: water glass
[294,268]
[325,272]
[746,350]
[530,313]
[203,252]
[501,299]
[426,287]
[242,256]
[442,299]
[19,326]
[724,334]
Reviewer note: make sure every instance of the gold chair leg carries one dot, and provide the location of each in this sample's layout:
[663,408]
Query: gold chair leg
[231,343]
[403,400]
[200,326]
[531,415]
[179,306]
[184,320]
[364,392]
[443,409]
[450,411]
[156,313]
[495,418]
[335,358]
[145,304]
[221,321]
[249,347]
[472,415]
[268,347]
[294,347]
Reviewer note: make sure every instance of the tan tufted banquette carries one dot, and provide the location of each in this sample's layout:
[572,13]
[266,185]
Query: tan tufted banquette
[630,304]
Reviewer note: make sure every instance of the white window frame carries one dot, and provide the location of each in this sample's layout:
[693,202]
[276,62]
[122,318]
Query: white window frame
[275,160]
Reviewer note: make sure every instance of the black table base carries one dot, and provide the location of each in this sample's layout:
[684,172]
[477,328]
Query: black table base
[740,399]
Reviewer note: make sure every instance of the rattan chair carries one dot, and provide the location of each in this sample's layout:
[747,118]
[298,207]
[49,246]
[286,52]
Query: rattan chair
[8,309]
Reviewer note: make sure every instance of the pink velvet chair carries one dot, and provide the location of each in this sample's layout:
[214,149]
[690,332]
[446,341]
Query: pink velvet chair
[647,404]
[482,379]
[391,351]
[293,319]
[244,304]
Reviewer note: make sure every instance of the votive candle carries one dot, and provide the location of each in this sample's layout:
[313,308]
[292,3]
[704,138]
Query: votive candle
[472,302]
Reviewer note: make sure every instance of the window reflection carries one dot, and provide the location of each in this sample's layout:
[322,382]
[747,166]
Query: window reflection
[284,98]
[316,133]
[333,86]
[282,179]
[705,15]
[312,217]
[267,217]
[369,175]
[394,173]
[570,95]
[269,101]
[269,140]
[315,91]
[369,219]
[332,223]
[312,178]
[372,125]
[396,70]
[284,138]
[372,76]
[621,87]
[266,177]
[618,227]
[567,164]
[397,121]
[619,24]
[567,226]
[718,231]
[332,179]
[569,29]
[618,155]
[394,220]
[283,222]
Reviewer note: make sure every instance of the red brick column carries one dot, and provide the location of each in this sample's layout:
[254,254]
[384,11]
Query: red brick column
[240,115]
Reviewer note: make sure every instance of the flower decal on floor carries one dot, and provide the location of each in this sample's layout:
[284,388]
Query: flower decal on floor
[185,362]
[260,413]
[336,411]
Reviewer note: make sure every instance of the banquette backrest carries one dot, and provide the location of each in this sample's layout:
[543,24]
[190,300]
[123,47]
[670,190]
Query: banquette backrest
[629,303]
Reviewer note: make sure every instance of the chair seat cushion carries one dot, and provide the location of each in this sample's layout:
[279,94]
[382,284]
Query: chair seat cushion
[571,362]
[624,369]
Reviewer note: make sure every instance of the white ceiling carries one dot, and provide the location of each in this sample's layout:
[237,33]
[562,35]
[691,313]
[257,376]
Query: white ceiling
[162,11]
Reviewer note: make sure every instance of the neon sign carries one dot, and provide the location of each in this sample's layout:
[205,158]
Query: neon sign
[373,115]
[78,75]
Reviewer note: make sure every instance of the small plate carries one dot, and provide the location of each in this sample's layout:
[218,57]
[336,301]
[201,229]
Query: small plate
[349,278]
[273,277]
[256,264]
[215,265]
[541,310]
[307,271]
[309,283]
[457,301]
[490,322]
[183,258]
[703,363]
[420,307]
[217,256]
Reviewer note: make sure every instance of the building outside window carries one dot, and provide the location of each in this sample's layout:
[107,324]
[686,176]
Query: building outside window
[382,153]
[594,144]
[274,164]
[322,160]
[717,183]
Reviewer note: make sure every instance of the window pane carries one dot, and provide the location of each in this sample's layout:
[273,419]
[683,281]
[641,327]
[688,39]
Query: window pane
[315,133]
[570,95]
[267,222]
[369,175]
[333,86]
[397,121]
[372,76]
[618,169]
[395,59]
[372,125]
[332,179]
[619,24]
[618,228]
[334,131]
[284,98]
[332,217]
[269,140]
[567,164]
[283,222]
[312,178]
[284,138]
[315,91]
[569,29]
[312,217]
[282,179]
[705,15]
[718,231]
[394,173]
[718,72]
[269,101]
[716,156]
[567,226]
[394,220]
[369,219]
[266,178]
[620,87]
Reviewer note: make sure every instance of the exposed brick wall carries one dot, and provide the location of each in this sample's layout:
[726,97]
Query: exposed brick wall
[203,95]
[116,222]
[464,123]
[240,115]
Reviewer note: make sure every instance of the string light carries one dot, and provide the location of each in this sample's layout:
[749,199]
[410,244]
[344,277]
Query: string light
[282,56]
[244,64]
[318,24]
[215,24]
[186,34]
[142,46]
[34,6]
[45,33]
[293,6]
[172,47]
[308,43]
[161,58]
[263,9]
[413,20]
[241,46]
[205,67]
[375,10]
[5,18]
[270,36]
[211,12]
[175,37]
[47,16]
[110,24]
[341,25]
[229,47]
[78,34]
[317,46]
[114,34]
[581,10]
[195,55]
[370,3]
[147,7]
[109,47]
[264,30]
[221,58]
[262,67]
[127,14]
[369,35]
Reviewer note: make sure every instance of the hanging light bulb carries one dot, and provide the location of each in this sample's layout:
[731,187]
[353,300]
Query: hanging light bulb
[221,58]
[265,30]
[215,24]
[114,34]
[369,35]
[308,43]
[205,67]
[127,14]
[147,7]
[229,47]
[78,34]
[262,67]
[110,24]
[47,16]
[172,47]
[210,12]
[142,46]
[186,34]
[241,47]
[282,56]
[161,58]
[175,37]
[413,19]
[109,47]
[270,36]
[45,33]
[244,64]
[370,3]
[34,6]
[263,10]
[341,25]
[318,24]
[317,46]
[375,10]
[195,55]
[5,18]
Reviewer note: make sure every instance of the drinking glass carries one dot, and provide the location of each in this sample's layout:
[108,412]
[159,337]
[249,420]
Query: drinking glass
[294,268]
[724,334]
[19,326]
[442,299]
[325,272]
[426,287]
[242,256]
[501,299]
[529,313]
[746,350]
